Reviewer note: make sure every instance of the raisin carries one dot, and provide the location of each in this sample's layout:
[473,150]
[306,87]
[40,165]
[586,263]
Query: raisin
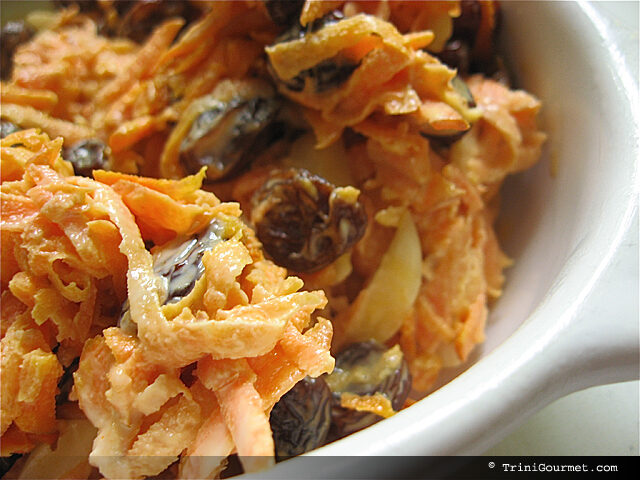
[301,418]
[231,129]
[13,34]
[179,264]
[303,221]
[366,368]
[284,12]
[87,156]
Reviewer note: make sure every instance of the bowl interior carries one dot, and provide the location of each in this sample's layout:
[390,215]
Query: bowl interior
[567,208]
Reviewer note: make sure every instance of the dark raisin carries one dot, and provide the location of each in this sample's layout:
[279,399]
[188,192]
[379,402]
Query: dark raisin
[180,260]
[366,368]
[326,75]
[13,34]
[303,221]
[284,12]
[300,420]
[7,128]
[65,384]
[7,462]
[456,55]
[471,48]
[87,156]
[179,264]
[231,130]
[466,26]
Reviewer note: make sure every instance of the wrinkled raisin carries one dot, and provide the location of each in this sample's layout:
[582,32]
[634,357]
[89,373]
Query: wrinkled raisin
[231,129]
[303,221]
[301,418]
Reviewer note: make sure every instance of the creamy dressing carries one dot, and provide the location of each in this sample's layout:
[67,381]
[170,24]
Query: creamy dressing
[374,371]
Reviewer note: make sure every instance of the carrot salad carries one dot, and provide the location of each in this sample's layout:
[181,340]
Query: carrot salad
[207,204]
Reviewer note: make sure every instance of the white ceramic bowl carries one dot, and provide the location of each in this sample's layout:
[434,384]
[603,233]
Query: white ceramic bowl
[568,318]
